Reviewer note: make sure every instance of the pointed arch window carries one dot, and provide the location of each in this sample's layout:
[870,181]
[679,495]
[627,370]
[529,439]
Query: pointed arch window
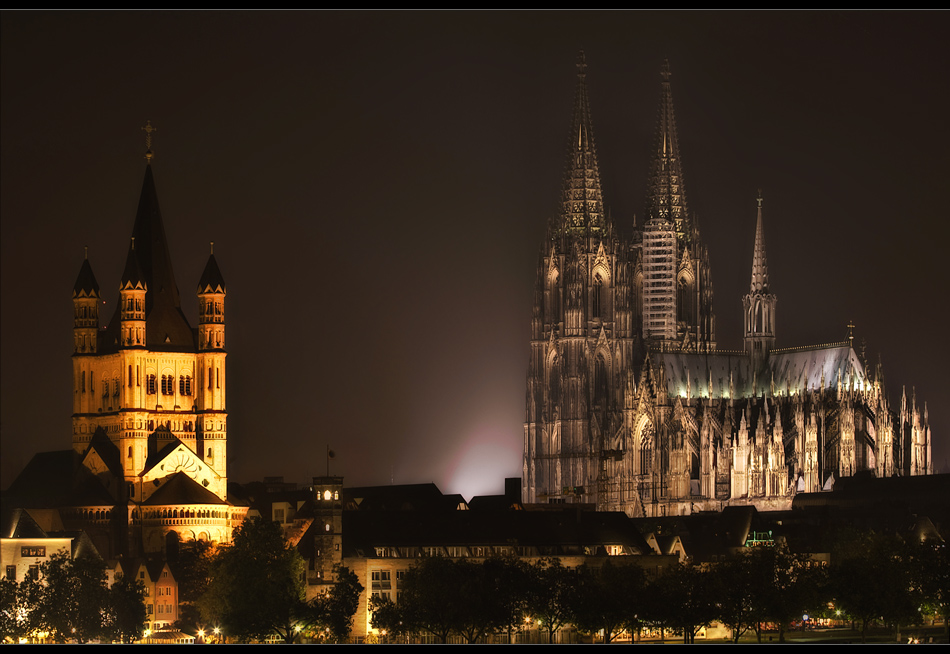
[600,382]
[597,299]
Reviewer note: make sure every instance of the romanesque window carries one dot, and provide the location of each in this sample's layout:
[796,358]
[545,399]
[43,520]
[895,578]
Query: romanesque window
[105,388]
[150,384]
[115,387]
[184,385]
[168,384]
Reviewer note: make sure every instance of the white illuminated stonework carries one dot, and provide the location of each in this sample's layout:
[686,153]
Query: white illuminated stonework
[631,406]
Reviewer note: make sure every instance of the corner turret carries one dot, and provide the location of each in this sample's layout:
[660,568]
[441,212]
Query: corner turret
[85,310]
[132,290]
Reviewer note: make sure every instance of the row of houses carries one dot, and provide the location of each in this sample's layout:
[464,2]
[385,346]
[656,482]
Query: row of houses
[380,532]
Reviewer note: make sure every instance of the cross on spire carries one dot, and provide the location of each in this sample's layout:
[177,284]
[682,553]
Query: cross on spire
[148,129]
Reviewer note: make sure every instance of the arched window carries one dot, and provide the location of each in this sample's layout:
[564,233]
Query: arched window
[600,382]
[597,298]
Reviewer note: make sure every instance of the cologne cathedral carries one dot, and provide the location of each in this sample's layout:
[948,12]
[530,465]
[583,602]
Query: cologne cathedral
[631,406]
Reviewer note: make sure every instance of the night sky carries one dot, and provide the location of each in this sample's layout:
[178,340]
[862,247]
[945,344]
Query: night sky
[377,187]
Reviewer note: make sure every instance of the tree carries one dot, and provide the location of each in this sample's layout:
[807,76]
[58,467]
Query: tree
[73,599]
[871,578]
[429,598]
[256,586]
[333,611]
[12,621]
[930,569]
[550,598]
[765,584]
[193,574]
[684,599]
[738,592]
[606,598]
[128,616]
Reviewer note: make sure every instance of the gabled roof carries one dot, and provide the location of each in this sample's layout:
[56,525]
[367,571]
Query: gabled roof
[46,481]
[18,523]
[108,451]
[791,371]
[406,497]
[566,530]
[182,489]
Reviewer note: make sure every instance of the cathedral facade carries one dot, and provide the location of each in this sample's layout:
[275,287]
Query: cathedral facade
[631,406]
[149,400]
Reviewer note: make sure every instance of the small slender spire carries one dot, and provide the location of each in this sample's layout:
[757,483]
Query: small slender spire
[148,129]
[582,202]
[760,265]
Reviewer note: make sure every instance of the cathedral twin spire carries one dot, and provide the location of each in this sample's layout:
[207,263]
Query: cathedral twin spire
[666,195]
[582,202]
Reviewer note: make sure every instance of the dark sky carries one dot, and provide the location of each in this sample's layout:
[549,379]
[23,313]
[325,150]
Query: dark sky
[377,186]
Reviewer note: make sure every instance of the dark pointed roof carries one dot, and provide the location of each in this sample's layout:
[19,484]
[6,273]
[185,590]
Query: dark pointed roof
[166,327]
[86,284]
[152,246]
[211,279]
[760,265]
[666,194]
[582,201]
[132,276]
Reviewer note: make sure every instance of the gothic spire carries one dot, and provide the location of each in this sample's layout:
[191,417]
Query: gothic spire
[666,195]
[760,266]
[582,203]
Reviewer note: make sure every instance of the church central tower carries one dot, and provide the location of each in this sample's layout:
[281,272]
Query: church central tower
[149,392]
